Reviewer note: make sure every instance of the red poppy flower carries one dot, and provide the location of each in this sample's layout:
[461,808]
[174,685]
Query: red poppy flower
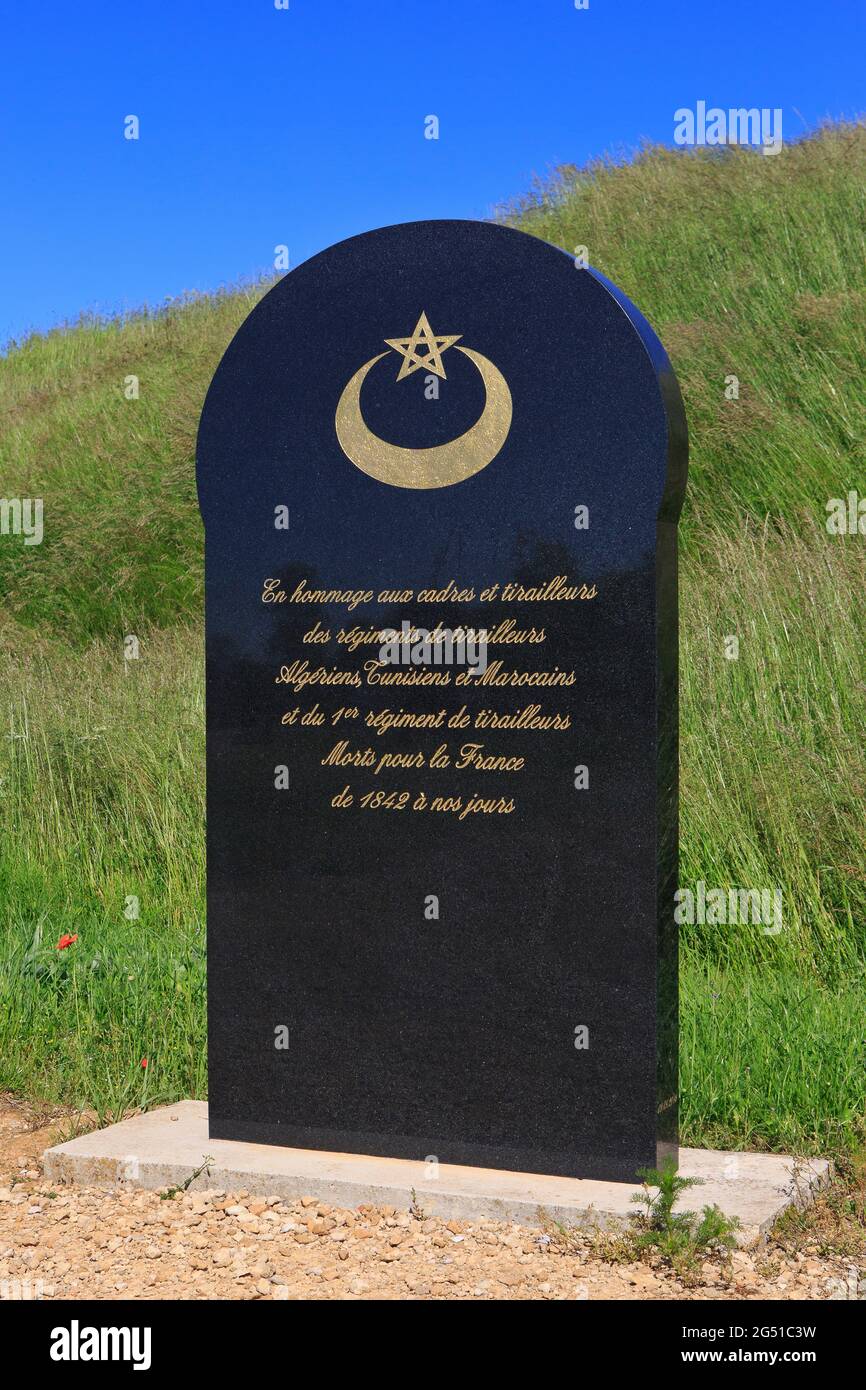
[144,1063]
[66,941]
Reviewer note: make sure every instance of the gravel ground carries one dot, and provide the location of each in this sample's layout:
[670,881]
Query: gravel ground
[74,1242]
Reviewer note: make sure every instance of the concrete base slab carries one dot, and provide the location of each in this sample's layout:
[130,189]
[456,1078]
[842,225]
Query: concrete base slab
[164,1147]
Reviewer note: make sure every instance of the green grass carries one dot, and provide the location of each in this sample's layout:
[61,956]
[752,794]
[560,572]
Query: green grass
[745,265]
[748,266]
[104,801]
[123,536]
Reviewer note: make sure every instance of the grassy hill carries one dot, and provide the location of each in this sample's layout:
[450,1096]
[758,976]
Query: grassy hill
[747,266]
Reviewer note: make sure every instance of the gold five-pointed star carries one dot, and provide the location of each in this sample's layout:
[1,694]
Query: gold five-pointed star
[422,337]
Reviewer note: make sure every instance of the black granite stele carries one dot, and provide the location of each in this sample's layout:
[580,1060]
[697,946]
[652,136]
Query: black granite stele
[532,1024]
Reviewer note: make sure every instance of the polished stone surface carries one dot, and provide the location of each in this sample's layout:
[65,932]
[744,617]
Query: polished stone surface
[454,1036]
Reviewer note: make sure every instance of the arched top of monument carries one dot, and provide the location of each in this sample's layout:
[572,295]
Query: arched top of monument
[448,358]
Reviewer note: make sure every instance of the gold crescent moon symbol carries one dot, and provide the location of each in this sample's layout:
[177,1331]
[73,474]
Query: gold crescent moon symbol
[443,464]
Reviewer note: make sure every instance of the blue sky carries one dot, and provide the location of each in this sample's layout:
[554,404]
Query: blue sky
[262,126]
